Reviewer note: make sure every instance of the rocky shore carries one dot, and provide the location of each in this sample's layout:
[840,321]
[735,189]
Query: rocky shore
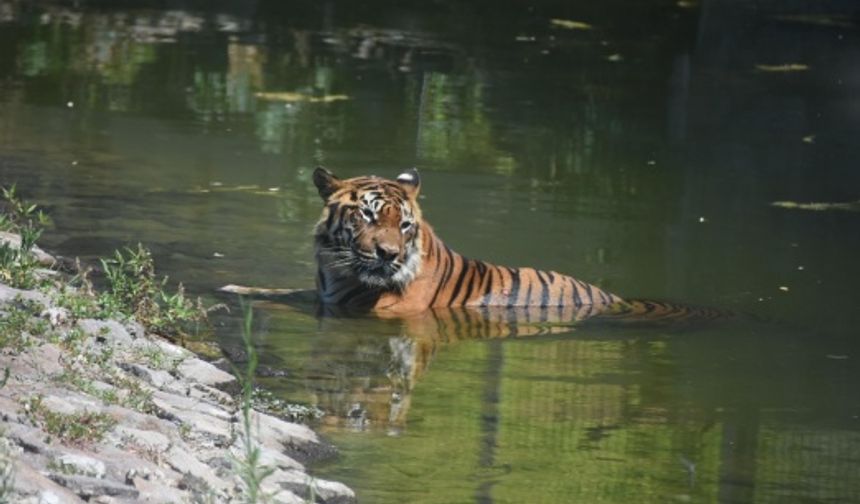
[99,410]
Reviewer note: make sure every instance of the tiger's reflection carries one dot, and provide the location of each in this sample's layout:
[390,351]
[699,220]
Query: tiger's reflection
[365,379]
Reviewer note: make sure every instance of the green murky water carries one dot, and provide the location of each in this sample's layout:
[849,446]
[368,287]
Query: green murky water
[641,151]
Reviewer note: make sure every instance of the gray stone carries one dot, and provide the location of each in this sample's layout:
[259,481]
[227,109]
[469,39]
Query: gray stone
[71,404]
[82,465]
[281,496]
[305,485]
[207,421]
[49,497]
[55,315]
[156,377]
[174,351]
[35,363]
[29,481]
[147,439]
[135,328]
[185,463]
[10,294]
[269,457]
[29,438]
[211,394]
[200,371]
[111,330]
[87,487]
[156,493]
[299,441]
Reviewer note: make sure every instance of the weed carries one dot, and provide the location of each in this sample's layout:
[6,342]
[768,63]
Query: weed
[80,304]
[18,264]
[155,358]
[134,289]
[251,472]
[73,428]
[134,395]
[20,324]
[120,390]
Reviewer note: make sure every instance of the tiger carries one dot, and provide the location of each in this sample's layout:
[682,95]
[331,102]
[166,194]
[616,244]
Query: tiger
[375,251]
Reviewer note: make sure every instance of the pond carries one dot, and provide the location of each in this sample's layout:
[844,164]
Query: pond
[660,150]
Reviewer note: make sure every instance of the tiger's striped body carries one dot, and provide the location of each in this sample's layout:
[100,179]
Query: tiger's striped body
[375,252]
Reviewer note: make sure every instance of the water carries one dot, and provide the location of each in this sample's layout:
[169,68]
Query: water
[642,154]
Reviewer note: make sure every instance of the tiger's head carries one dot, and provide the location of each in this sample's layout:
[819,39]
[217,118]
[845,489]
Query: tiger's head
[369,228]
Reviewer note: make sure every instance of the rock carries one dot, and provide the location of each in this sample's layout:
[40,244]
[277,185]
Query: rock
[205,392]
[31,439]
[268,457]
[71,404]
[157,493]
[28,481]
[146,439]
[106,330]
[185,463]
[206,421]
[82,465]
[36,363]
[172,350]
[200,371]
[49,497]
[300,441]
[55,315]
[87,487]
[281,496]
[11,294]
[155,377]
[331,492]
[135,328]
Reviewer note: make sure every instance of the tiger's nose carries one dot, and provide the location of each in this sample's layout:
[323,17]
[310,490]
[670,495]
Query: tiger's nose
[386,252]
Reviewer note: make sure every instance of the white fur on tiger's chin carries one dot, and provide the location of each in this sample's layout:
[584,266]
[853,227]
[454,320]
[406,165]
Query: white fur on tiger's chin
[399,280]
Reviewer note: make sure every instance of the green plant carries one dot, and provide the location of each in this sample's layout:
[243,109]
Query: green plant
[134,289]
[18,264]
[80,303]
[251,472]
[74,428]
[20,323]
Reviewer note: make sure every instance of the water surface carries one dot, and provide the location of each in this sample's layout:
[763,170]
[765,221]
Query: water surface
[640,151]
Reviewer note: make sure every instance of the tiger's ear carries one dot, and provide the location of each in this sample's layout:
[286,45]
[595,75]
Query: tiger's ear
[326,182]
[410,181]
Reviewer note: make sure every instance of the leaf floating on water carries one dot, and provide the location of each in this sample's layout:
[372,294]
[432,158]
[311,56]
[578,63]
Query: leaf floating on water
[569,24]
[818,19]
[248,189]
[851,206]
[787,67]
[290,97]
